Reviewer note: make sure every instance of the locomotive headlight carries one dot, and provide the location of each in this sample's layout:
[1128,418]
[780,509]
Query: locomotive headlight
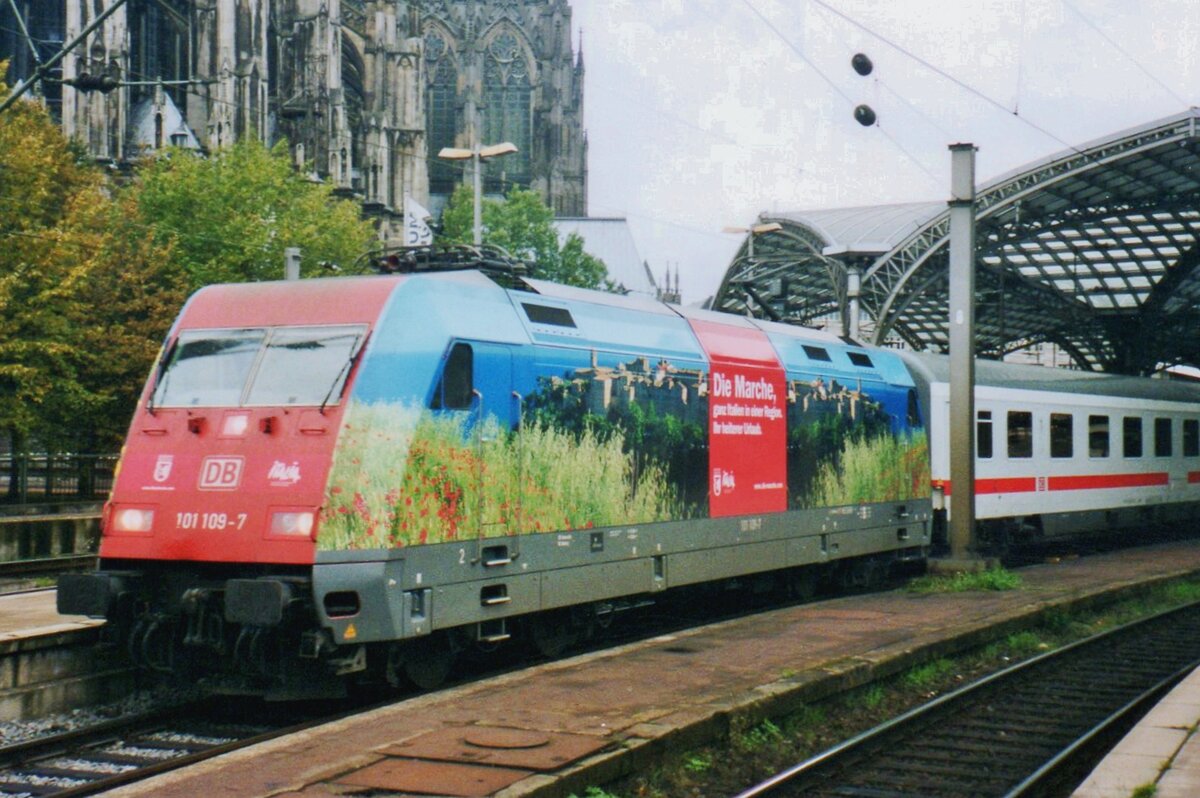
[292,523]
[133,519]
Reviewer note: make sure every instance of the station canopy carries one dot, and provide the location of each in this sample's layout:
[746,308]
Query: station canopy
[1093,249]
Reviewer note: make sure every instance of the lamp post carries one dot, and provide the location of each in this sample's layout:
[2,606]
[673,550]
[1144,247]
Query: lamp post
[752,231]
[477,156]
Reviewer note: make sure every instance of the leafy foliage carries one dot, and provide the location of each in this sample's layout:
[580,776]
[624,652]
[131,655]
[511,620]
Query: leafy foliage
[40,271]
[817,444]
[524,226]
[229,217]
[130,292]
[92,274]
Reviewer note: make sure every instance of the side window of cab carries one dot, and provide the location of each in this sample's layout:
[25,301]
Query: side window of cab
[455,386]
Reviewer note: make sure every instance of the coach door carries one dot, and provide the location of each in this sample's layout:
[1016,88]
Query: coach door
[496,412]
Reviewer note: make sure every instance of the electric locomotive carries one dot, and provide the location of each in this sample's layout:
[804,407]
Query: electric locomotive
[358,477]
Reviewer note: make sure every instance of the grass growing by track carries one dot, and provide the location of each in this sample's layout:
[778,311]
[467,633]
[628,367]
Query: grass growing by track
[753,753]
[962,582]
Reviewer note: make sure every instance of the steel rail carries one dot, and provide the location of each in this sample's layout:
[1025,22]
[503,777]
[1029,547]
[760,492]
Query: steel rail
[22,760]
[47,565]
[1046,770]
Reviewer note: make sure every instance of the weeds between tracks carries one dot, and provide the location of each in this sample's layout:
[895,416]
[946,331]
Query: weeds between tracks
[751,754]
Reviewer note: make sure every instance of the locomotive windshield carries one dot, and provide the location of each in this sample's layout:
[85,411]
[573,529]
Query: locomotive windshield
[275,366]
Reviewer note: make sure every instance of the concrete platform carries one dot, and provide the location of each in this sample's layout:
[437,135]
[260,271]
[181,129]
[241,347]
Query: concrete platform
[50,662]
[32,614]
[1163,750]
[557,728]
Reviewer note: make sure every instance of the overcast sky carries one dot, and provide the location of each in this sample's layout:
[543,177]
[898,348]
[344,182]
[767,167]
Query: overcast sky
[703,114]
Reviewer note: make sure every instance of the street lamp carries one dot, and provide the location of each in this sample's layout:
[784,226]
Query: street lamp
[752,231]
[477,155]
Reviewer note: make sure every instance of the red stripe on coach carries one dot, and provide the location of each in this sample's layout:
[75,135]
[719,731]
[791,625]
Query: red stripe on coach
[1100,481]
[1080,482]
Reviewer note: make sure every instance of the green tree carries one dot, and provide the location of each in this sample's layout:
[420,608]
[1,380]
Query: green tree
[91,276]
[229,217]
[524,226]
[40,180]
[129,294]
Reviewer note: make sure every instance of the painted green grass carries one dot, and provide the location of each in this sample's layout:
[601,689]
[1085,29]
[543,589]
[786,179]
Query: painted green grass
[404,476]
[883,468]
[990,579]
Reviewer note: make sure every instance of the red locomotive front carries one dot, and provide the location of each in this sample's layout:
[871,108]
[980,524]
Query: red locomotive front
[228,454]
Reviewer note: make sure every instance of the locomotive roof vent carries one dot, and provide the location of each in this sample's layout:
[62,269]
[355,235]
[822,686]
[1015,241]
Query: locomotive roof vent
[494,262]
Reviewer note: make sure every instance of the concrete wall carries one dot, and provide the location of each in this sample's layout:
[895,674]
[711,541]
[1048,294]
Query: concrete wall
[76,531]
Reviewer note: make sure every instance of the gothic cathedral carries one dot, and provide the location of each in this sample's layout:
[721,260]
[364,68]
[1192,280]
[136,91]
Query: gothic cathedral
[365,92]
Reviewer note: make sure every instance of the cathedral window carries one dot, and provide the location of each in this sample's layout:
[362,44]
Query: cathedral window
[440,114]
[507,112]
[159,40]
[46,21]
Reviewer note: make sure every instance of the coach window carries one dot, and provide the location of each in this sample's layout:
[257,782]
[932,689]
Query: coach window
[454,389]
[1097,436]
[1062,432]
[1162,437]
[1020,433]
[983,434]
[1191,437]
[1132,436]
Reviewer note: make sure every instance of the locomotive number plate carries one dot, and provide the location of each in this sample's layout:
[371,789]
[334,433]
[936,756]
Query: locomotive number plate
[215,521]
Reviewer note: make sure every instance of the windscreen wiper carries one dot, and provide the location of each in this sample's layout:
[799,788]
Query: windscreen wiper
[343,371]
[163,373]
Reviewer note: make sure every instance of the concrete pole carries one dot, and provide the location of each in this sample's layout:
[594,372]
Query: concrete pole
[477,166]
[291,263]
[853,289]
[962,351]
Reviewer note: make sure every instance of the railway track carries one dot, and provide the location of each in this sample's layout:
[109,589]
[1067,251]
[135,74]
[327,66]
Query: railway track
[46,566]
[89,761]
[1034,729]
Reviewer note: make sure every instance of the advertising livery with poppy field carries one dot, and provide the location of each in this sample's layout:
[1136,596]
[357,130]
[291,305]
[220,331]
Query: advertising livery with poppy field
[362,476]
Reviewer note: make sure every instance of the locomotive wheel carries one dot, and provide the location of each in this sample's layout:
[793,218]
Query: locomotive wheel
[803,583]
[553,633]
[427,662]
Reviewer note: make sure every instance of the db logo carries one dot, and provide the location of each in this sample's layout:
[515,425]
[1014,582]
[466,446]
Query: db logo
[221,473]
[722,482]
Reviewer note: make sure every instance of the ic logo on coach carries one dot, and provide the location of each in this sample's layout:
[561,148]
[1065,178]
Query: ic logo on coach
[221,473]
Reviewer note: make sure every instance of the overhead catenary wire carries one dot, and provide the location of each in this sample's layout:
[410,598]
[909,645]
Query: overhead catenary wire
[1116,46]
[799,52]
[941,72]
[46,66]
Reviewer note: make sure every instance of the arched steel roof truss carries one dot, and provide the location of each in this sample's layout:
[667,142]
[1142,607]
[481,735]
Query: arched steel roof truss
[1095,250]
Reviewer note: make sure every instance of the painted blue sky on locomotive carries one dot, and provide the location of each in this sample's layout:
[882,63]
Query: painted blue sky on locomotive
[427,314]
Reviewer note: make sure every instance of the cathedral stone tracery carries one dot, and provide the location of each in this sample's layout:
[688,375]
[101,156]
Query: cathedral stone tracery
[366,92]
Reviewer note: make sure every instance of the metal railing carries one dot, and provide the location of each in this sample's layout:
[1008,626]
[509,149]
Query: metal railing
[53,478]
